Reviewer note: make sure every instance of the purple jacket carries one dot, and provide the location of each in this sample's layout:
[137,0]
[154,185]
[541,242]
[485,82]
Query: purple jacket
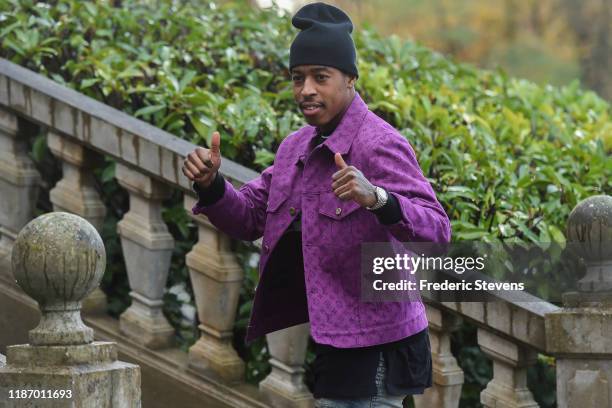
[299,183]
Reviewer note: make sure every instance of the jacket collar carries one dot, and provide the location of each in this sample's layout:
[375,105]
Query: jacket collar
[340,140]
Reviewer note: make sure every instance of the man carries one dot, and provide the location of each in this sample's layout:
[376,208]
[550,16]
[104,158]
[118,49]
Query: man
[347,177]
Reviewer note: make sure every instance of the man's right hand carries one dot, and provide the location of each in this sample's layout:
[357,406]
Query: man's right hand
[201,165]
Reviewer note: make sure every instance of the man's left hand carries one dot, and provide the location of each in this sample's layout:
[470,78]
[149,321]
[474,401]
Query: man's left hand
[350,184]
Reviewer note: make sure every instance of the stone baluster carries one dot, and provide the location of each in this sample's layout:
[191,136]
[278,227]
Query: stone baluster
[284,386]
[147,249]
[579,335]
[447,375]
[18,187]
[216,278]
[76,193]
[508,388]
[58,258]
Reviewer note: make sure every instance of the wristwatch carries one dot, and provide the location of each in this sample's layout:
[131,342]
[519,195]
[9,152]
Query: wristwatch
[381,198]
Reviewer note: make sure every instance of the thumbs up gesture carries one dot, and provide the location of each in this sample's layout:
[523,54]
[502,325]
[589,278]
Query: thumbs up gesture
[350,184]
[201,165]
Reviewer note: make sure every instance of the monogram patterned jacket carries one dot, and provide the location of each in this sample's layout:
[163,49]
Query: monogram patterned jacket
[298,184]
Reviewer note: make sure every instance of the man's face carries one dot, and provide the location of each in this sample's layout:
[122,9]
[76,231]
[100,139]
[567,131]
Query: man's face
[321,92]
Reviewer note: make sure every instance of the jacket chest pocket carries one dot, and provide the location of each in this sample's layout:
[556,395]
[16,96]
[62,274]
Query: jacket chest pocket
[276,200]
[337,219]
[275,218]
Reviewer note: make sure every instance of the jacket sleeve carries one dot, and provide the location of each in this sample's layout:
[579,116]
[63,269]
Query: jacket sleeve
[393,166]
[241,213]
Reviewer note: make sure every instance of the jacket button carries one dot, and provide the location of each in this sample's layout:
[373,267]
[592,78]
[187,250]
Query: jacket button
[292,211]
[338,211]
[266,247]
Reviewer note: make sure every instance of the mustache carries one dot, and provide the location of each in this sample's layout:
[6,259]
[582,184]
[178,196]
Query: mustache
[304,104]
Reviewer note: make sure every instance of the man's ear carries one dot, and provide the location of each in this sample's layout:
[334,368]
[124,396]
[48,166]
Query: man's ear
[351,81]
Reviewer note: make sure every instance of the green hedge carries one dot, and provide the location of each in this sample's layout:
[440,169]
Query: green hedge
[490,144]
[507,158]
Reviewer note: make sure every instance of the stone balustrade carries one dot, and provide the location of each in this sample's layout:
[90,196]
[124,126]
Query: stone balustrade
[508,388]
[79,130]
[216,278]
[18,184]
[447,375]
[284,386]
[76,193]
[147,248]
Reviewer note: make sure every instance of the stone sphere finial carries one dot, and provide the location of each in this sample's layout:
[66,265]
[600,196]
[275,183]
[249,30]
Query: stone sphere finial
[58,259]
[589,231]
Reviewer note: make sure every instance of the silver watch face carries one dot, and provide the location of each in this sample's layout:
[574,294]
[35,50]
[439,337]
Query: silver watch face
[381,198]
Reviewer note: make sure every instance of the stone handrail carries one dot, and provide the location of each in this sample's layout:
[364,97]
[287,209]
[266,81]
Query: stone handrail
[520,321]
[149,160]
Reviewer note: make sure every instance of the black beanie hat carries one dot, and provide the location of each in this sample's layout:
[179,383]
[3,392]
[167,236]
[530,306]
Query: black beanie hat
[325,38]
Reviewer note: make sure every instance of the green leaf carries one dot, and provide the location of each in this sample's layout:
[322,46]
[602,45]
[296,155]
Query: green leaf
[58,78]
[186,80]
[14,47]
[264,157]
[39,148]
[86,83]
[556,234]
[109,173]
[91,8]
[147,110]
[202,125]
